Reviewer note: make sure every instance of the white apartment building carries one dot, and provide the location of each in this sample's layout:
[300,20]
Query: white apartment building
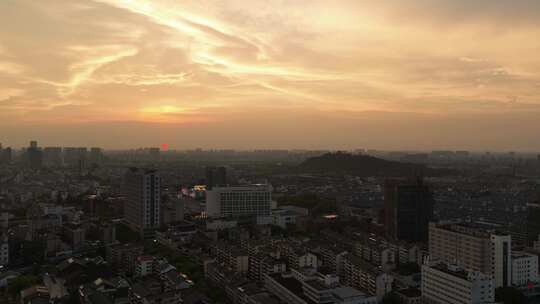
[234,201]
[501,265]
[524,268]
[472,247]
[449,284]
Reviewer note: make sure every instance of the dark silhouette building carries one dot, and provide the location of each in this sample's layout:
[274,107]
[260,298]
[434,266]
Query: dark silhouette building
[533,222]
[143,199]
[216,176]
[5,155]
[408,209]
[35,156]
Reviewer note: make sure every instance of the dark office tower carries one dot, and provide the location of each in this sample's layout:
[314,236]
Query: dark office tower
[35,156]
[143,197]
[533,222]
[408,208]
[216,177]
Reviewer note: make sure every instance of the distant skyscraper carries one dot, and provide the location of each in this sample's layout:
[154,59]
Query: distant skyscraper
[75,157]
[216,177]
[96,155]
[143,197]
[35,156]
[408,208]
[52,156]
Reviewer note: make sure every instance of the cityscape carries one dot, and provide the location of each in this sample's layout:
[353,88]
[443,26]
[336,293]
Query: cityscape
[147,225]
[269,152]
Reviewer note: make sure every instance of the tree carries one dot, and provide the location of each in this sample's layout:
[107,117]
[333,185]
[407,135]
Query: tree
[20,283]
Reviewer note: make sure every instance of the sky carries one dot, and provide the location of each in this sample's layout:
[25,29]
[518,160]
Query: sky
[343,74]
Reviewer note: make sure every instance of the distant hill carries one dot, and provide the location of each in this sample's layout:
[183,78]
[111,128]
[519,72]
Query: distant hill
[363,165]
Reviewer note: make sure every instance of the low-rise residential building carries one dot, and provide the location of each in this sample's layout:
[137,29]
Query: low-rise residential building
[362,275]
[144,265]
[123,257]
[308,288]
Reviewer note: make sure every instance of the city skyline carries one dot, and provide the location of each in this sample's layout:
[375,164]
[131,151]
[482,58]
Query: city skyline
[414,75]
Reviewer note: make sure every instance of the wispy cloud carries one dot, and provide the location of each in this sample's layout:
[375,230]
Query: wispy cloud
[180,61]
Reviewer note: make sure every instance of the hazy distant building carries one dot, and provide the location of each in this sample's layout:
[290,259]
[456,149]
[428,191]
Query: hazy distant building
[96,155]
[75,157]
[143,198]
[533,222]
[35,156]
[444,283]
[254,200]
[408,209]
[52,156]
[472,248]
[216,176]
[154,153]
[5,155]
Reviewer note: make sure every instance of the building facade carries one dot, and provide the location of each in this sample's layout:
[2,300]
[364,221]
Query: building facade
[449,284]
[235,201]
[472,248]
[408,208]
[524,268]
[143,198]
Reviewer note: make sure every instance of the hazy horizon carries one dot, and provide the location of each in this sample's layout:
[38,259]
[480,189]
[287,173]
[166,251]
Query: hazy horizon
[301,74]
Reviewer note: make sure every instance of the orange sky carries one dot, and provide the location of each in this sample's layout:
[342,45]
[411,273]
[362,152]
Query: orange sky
[410,74]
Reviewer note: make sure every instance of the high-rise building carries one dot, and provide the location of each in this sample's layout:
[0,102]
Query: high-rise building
[7,155]
[234,201]
[35,156]
[408,208]
[52,156]
[143,198]
[501,259]
[216,176]
[473,248]
[75,157]
[154,153]
[96,155]
[533,222]
[449,284]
